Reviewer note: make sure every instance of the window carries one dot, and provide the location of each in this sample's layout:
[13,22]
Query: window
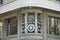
[31,22]
[55,0]
[1,24]
[54,26]
[11,26]
[58,0]
[1,1]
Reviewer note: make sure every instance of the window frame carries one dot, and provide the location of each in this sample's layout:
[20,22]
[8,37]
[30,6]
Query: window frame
[58,0]
[35,12]
[48,27]
[1,1]
[8,35]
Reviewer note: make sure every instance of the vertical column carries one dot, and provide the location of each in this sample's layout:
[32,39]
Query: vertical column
[4,30]
[26,22]
[1,30]
[45,25]
[36,22]
[19,25]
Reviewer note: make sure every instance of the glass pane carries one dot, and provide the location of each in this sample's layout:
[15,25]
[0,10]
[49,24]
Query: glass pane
[54,26]
[58,26]
[1,1]
[51,25]
[11,26]
[59,0]
[31,23]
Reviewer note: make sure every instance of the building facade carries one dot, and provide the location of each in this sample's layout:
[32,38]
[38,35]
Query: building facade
[29,19]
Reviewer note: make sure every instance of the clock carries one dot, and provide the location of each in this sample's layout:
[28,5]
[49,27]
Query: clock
[31,27]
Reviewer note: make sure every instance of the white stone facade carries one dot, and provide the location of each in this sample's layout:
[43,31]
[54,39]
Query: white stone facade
[23,3]
[14,8]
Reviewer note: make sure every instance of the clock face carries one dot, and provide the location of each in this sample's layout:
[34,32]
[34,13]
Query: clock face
[31,27]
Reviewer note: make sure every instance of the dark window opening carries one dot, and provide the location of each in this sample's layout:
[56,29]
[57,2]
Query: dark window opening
[11,26]
[1,1]
[54,26]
